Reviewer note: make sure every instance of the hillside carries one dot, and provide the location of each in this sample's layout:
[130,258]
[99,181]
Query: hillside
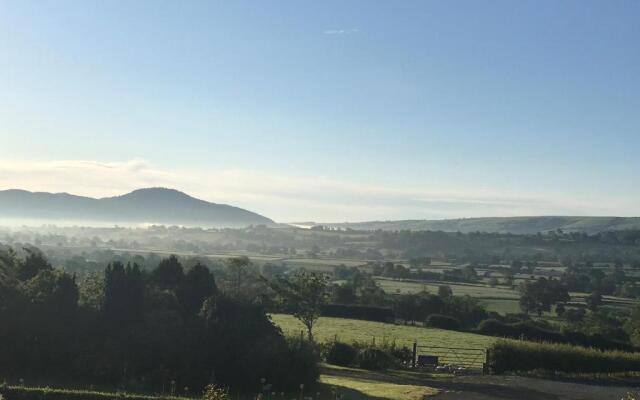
[517,225]
[153,205]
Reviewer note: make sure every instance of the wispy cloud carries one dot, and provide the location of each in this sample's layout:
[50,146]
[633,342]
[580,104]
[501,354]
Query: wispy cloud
[341,31]
[301,198]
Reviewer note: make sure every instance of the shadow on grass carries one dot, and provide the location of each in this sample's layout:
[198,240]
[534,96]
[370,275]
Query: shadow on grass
[329,392]
[480,385]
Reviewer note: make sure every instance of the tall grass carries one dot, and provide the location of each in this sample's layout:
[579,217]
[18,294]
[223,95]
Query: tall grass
[46,393]
[520,356]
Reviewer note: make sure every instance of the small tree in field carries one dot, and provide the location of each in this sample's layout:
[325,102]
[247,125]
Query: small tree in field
[304,294]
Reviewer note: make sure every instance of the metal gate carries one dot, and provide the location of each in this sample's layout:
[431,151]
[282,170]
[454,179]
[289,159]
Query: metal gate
[462,357]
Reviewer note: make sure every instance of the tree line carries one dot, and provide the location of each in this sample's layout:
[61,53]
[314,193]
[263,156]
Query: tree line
[148,330]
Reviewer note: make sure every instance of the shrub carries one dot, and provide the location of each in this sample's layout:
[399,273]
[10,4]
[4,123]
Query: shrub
[518,356]
[340,354]
[442,322]
[533,331]
[374,359]
[368,313]
[403,355]
[213,392]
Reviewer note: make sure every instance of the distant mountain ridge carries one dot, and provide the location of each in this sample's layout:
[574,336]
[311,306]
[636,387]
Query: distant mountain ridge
[150,205]
[517,225]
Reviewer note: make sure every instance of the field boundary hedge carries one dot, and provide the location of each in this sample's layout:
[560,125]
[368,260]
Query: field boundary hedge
[527,330]
[521,356]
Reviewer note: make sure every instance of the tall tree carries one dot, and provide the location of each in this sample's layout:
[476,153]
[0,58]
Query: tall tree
[304,294]
[169,274]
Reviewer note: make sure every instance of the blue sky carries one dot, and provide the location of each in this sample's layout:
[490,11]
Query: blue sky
[328,111]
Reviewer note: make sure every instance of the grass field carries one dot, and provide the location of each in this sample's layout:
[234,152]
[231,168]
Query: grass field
[351,330]
[357,384]
[473,290]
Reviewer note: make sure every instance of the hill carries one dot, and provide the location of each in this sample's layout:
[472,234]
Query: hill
[152,205]
[517,225]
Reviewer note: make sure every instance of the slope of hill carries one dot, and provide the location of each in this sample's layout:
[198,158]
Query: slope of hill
[153,205]
[518,225]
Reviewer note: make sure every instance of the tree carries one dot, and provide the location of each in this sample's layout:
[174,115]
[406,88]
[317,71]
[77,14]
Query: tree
[169,274]
[304,294]
[540,295]
[33,263]
[469,273]
[632,326]
[237,267]
[198,285]
[594,300]
[343,294]
[407,307]
[445,291]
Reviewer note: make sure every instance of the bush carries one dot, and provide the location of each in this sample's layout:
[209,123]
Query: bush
[442,322]
[368,313]
[530,330]
[342,354]
[514,356]
[213,392]
[374,359]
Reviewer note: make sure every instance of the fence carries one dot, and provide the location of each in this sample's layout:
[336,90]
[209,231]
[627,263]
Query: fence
[469,358]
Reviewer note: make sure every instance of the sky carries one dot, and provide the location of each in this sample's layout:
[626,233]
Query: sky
[328,111]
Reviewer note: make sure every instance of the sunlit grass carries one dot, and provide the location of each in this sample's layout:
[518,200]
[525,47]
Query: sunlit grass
[351,330]
[363,385]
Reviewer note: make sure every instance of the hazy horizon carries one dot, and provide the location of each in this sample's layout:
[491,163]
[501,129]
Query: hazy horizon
[329,112]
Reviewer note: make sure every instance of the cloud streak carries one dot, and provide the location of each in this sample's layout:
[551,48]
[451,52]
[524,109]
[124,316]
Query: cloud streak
[341,31]
[299,198]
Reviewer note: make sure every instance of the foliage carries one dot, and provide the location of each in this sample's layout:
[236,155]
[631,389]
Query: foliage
[529,330]
[442,322]
[632,326]
[540,295]
[374,359]
[304,294]
[339,353]
[369,313]
[147,330]
[351,331]
[519,356]
[213,392]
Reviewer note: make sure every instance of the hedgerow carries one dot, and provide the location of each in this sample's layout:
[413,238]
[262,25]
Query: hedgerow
[520,356]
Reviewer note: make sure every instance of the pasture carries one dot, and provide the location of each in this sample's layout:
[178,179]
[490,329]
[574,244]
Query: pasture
[351,330]
[459,289]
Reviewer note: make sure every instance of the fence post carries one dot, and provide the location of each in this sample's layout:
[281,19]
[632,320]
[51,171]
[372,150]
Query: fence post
[485,365]
[415,354]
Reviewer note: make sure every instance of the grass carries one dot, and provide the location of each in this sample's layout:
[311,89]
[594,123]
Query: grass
[357,384]
[474,290]
[502,306]
[350,330]
[44,393]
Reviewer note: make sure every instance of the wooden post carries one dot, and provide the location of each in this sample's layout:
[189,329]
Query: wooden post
[415,355]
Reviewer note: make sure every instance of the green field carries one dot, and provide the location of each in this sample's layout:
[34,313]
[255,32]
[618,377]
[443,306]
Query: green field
[459,289]
[351,330]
